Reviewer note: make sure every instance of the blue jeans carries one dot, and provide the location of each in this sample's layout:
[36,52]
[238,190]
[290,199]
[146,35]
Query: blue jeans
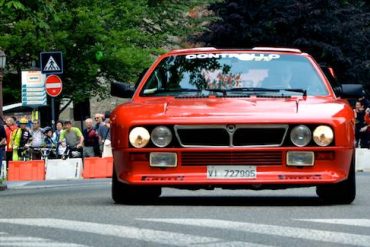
[2,152]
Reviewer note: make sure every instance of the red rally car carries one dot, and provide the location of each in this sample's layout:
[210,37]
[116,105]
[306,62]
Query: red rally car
[264,118]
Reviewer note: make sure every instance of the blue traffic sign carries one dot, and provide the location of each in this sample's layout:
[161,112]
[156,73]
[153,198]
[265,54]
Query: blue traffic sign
[51,62]
[33,89]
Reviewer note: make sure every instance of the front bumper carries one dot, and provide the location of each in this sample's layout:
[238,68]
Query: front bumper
[132,167]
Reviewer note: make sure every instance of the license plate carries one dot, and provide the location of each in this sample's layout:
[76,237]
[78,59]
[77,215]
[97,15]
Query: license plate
[232,172]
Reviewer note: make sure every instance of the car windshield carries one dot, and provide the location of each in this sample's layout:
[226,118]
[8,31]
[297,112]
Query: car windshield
[234,74]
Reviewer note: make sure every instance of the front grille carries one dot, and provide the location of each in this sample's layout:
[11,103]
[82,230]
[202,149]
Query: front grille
[231,158]
[204,137]
[258,136]
[230,135]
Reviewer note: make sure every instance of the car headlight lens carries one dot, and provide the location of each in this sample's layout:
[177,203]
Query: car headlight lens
[139,137]
[301,135]
[323,135]
[161,136]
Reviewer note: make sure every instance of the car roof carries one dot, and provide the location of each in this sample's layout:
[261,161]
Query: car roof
[213,49]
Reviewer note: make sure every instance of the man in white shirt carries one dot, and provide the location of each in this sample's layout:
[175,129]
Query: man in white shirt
[37,139]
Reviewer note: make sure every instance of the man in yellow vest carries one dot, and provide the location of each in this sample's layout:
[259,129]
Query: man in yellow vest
[20,138]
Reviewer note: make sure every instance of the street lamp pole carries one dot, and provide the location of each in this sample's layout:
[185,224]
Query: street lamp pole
[2,67]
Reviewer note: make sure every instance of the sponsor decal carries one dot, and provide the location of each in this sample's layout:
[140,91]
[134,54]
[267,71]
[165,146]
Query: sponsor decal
[300,177]
[241,56]
[162,178]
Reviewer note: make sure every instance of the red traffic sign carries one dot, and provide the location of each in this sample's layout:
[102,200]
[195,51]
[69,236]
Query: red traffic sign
[53,85]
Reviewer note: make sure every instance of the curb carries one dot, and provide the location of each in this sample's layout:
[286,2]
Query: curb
[3,187]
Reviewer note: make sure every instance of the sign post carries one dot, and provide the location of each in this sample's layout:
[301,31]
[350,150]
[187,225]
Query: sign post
[52,63]
[53,86]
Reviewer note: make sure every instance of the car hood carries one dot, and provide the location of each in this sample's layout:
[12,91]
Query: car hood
[226,107]
[238,109]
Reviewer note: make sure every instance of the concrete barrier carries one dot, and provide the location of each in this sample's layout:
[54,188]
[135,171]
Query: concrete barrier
[363,159]
[63,169]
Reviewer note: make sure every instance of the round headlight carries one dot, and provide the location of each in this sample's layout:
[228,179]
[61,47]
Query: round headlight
[323,135]
[139,137]
[301,135]
[161,136]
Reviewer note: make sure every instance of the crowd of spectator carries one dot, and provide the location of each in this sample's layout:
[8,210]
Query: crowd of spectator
[362,125]
[18,137]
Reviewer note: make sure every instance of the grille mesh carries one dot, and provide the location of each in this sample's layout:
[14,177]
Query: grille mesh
[231,158]
[231,135]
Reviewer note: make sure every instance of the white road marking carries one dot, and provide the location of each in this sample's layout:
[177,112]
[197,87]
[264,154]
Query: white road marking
[46,244]
[282,231]
[15,240]
[350,222]
[231,244]
[155,236]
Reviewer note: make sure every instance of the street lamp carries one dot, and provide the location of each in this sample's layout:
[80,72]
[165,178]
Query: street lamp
[2,67]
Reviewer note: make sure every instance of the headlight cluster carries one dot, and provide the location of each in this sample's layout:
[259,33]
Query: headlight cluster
[301,135]
[161,136]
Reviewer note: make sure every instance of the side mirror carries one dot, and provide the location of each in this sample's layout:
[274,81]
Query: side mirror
[350,91]
[122,90]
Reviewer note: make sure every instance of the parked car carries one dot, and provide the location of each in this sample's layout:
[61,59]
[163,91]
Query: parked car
[264,118]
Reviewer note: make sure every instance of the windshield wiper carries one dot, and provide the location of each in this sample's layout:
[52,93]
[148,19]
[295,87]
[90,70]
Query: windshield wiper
[296,90]
[253,89]
[217,90]
[259,89]
[164,90]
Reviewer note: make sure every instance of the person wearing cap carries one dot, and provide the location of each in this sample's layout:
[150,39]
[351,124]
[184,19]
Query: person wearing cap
[48,140]
[21,139]
[71,136]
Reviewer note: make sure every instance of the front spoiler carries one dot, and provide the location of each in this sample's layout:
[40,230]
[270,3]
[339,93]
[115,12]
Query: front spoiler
[323,172]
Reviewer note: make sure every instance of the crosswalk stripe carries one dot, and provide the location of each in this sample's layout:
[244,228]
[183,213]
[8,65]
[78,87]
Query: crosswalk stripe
[45,244]
[156,236]
[282,231]
[350,222]
[10,240]
[17,238]
[231,244]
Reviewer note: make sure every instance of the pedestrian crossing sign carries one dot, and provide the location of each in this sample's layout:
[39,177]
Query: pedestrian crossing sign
[51,62]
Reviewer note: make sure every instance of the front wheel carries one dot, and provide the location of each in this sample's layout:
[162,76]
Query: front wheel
[129,194]
[341,193]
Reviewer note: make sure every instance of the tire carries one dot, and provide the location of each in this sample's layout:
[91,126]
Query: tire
[128,194]
[341,193]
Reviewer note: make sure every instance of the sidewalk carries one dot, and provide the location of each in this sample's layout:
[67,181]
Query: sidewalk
[21,185]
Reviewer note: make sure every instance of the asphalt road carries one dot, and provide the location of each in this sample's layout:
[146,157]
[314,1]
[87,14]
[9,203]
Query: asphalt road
[81,213]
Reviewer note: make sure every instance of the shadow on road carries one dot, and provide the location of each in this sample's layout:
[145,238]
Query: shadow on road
[234,201]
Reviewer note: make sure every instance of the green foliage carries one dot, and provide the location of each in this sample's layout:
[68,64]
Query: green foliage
[334,32]
[128,35]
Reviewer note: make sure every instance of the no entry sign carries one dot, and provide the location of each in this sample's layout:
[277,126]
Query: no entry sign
[53,85]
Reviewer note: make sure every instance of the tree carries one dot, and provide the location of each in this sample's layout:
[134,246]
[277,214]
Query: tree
[101,41]
[334,32]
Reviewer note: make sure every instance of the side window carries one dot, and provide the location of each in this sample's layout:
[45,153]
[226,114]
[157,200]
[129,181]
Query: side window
[156,81]
[332,80]
[140,77]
